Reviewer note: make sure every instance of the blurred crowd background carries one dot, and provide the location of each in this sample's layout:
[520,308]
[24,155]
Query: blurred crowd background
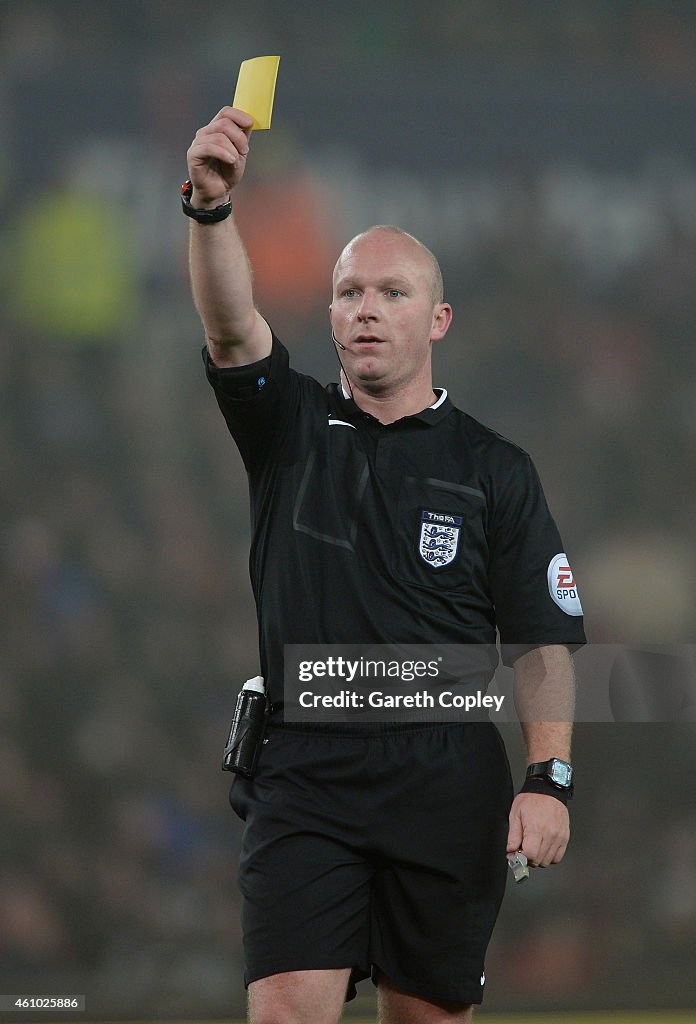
[546,152]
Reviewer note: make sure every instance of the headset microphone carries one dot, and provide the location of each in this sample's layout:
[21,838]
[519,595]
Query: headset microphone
[338,344]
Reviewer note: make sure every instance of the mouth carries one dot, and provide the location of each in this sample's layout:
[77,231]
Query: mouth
[364,340]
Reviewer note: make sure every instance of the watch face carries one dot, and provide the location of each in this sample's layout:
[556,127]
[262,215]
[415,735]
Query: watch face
[561,773]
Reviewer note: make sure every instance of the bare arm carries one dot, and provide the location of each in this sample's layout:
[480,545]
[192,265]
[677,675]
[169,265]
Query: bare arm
[545,702]
[221,281]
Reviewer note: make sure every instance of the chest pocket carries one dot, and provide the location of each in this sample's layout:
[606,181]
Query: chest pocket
[330,487]
[440,532]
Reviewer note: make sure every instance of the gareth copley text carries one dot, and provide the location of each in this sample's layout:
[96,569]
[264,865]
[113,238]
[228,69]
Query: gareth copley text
[347,699]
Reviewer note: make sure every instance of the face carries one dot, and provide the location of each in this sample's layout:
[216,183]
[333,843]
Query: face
[383,311]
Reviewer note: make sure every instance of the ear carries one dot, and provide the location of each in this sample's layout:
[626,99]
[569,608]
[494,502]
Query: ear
[442,318]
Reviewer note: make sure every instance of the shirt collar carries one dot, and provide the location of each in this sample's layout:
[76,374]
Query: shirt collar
[432,414]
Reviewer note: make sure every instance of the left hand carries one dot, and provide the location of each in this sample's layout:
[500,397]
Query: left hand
[539,827]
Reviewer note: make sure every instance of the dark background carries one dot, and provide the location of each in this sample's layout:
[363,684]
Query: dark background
[546,152]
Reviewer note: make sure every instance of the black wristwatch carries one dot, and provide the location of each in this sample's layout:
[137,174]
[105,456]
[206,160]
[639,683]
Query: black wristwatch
[203,216]
[555,771]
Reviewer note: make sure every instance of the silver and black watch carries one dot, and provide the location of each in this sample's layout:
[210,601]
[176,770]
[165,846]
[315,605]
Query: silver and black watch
[559,773]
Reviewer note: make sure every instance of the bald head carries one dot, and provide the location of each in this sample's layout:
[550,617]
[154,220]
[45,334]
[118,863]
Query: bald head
[430,264]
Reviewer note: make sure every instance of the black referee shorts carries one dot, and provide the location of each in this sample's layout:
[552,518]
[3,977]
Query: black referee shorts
[383,852]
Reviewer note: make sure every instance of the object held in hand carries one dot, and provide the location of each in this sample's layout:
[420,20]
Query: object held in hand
[518,866]
[256,88]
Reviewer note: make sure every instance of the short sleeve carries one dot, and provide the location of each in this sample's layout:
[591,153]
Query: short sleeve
[257,400]
[534,589]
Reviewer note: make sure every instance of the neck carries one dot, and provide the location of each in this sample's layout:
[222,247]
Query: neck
[387,407]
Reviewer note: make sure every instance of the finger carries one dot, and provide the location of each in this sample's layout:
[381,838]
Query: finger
[217,146]
[237,136]
[233,133]
[532,847]
[220,153]
[556,846]
[513,845]
[231,124]
[514,840]
[222,138]
[544,857]
[552,850]
[559,853]
[239,117]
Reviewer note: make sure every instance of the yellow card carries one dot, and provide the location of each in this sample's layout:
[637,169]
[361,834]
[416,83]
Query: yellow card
[256,89]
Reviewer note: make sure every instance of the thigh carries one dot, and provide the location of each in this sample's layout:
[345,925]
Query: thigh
[399,1007]
[305,886]
[438,893]
[305,997]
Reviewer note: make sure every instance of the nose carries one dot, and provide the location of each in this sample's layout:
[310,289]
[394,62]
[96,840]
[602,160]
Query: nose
[368,308]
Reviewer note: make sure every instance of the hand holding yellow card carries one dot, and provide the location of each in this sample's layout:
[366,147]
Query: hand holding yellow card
[256,89]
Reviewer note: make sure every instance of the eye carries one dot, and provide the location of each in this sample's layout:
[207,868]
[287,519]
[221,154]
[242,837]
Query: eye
[394,293]
[348,293]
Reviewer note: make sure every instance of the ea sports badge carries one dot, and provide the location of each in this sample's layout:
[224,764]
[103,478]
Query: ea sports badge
[562,586]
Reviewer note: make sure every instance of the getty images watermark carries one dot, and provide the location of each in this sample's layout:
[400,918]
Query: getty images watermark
[363,675]
[354,683]
[389,683]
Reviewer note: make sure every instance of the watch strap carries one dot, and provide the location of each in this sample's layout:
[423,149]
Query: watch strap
[203,216]
[546,788]
[539,768]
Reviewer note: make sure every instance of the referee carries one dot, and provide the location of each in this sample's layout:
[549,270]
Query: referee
[379,849]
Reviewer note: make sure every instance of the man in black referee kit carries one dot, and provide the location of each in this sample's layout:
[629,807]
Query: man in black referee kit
[378,849]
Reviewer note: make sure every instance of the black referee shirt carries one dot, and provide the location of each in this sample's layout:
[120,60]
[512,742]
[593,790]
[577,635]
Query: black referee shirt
[432,529]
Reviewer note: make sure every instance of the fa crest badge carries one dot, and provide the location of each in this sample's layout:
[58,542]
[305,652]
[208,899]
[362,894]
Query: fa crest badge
[439,538]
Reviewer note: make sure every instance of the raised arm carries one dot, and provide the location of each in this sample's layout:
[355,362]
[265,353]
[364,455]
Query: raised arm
[221,278]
